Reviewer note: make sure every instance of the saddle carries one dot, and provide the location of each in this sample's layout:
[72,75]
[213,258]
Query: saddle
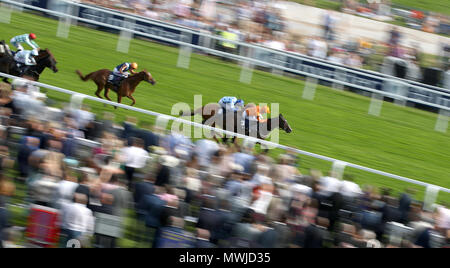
[115,81]
[21,68]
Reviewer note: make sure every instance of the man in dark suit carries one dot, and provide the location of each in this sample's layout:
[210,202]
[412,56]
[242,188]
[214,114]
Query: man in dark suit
[404,206]
[227,220]
[209,219]
[83,188]
[30,145]
[153,206]
[141,190]
[163,175]
[150,139]
[130,130]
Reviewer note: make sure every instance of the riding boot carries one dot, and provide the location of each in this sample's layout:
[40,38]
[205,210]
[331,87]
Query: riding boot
[25,69]
[19,68]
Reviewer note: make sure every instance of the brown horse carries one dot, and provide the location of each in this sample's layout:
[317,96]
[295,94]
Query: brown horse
[126,87]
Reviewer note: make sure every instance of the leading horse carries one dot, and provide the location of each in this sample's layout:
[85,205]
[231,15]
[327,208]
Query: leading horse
[234,122]
[45,59]
[126,87]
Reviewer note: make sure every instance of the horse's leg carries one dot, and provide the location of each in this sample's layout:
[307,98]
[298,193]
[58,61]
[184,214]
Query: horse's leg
[99,90]
[6,80]
[119,100]
[132,98]
[106,93]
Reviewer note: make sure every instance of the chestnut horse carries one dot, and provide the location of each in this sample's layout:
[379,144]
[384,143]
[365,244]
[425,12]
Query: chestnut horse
[126,87]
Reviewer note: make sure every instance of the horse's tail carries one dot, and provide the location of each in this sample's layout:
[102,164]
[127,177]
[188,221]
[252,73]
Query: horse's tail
[84,78]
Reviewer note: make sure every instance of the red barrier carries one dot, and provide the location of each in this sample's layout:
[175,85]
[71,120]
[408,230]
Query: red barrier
[43,226]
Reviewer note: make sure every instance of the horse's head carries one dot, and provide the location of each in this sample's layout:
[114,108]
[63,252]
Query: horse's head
[148,77]
[284,125]
[47,59]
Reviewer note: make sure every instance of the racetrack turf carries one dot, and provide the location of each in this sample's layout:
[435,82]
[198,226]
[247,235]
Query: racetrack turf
[336,124]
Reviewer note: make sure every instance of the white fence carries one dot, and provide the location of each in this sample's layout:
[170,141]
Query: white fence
[337,165]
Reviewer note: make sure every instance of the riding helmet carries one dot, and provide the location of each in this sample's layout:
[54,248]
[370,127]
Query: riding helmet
[134,65]
[32,36]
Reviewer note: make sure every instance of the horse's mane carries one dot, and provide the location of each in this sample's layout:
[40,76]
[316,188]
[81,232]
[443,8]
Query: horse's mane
[44,53]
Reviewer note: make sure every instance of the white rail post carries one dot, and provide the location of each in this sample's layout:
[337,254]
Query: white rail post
[19,8]
[161,124]
[5,13]
[402,90]
[184,56]
[205,41]
[76,101]
[278,60]
[339,75]
[309,91]
[396,87]
[376,103]
[442,121]
[431,194]
[247,67]
[75,10]
[64,23]
[123,45]
[338,169]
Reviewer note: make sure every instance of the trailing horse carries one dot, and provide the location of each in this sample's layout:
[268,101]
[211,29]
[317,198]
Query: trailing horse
[126,87]
[45,59]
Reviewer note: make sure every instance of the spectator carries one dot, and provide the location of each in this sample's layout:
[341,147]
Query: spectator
[153,205]
[329,25]
[135,157]
[65,190]
[202,240]
[175,228]
[77,220]
[29,146]
[204,149]
[7,189]
[142,189]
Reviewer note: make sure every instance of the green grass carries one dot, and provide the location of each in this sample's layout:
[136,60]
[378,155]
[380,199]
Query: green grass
[439,6]
[325,4]
[336,124]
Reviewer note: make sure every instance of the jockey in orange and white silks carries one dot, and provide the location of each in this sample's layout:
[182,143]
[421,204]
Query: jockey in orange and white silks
[256,113]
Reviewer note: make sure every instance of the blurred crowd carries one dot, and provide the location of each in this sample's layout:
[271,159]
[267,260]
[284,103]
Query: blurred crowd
[383,10]
[107,182]
[262,23]
[244,20]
